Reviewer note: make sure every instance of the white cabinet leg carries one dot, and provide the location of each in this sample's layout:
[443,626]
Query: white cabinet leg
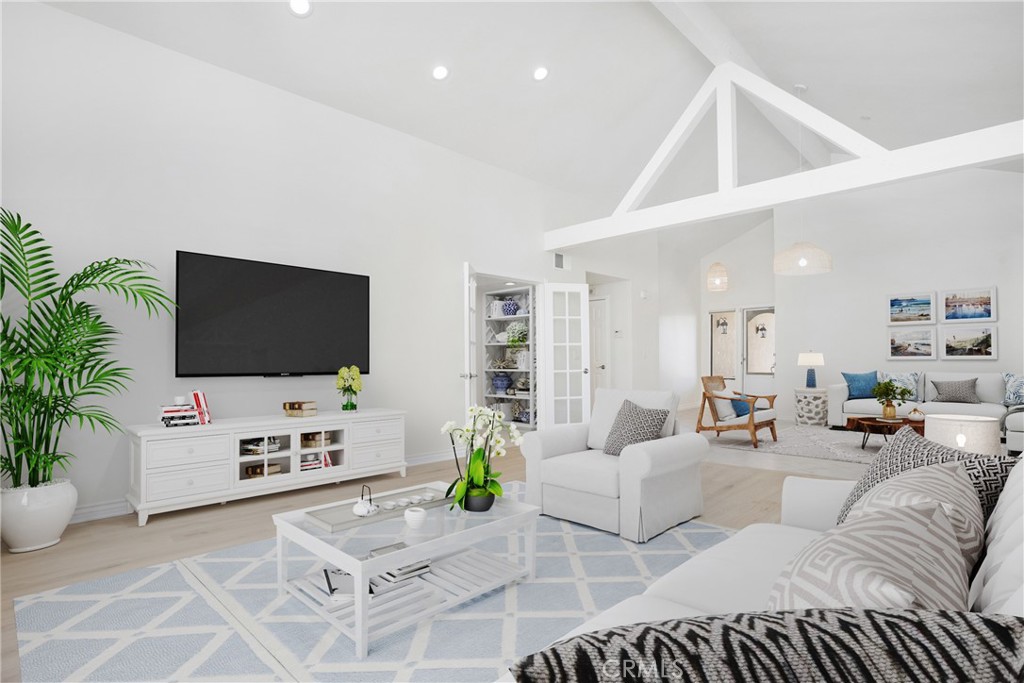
[143,518]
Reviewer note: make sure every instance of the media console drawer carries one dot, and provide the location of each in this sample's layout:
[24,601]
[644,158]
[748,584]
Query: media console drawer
[381,430]
[175,452]
[382,454]
[188,482]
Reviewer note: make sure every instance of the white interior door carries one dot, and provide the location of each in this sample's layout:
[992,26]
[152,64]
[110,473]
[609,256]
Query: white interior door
[564,359]
[759,331]
[600,346]
[470,335]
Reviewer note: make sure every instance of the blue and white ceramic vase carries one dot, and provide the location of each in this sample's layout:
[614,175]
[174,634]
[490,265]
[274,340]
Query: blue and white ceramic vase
[501,382]
[510,307]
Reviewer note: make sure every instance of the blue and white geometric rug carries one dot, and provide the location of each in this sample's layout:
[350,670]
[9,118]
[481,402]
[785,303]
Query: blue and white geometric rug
[218,617]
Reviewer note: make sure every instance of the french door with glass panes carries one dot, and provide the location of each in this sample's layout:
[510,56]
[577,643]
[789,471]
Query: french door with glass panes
[564,354]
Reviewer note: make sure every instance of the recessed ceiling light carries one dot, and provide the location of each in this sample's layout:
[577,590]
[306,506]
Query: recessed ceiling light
[510,284]
[540,73]
[300,8]
[440,73]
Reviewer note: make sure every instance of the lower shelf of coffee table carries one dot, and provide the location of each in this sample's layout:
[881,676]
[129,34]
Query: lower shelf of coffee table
[451,580]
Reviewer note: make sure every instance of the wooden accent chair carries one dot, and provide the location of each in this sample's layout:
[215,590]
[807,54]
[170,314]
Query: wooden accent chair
[714,390]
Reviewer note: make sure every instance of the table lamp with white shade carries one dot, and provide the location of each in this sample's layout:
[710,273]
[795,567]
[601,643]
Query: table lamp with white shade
[810,360]
[971,433]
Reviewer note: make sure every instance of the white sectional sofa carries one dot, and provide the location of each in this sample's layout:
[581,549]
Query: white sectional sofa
[1014,424]
[737,575]
[991,390]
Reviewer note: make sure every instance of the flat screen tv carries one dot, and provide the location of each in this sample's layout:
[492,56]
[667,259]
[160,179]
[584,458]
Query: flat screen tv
[237,317]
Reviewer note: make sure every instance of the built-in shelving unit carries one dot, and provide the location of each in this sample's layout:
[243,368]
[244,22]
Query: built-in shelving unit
[504,311]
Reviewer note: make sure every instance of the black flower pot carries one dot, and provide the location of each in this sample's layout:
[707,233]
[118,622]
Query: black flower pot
[480,503]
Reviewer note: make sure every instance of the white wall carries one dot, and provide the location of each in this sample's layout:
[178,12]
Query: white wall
[960,229]
[619,295]
[114,146]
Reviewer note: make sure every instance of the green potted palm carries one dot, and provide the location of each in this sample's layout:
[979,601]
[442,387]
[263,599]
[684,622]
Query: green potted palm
[55,356]
[888,391]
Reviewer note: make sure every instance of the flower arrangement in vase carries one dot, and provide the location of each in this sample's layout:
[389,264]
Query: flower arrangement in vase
[349,383]
[888,391]
[481,438]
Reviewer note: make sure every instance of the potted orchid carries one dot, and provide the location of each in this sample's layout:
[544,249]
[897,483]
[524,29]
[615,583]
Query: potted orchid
[349,383]
[482,439]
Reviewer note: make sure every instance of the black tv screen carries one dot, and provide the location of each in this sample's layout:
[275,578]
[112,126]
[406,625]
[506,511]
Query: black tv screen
[238,317]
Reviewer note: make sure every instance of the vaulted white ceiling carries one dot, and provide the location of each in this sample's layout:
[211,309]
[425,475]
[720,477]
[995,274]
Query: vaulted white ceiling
[620,73]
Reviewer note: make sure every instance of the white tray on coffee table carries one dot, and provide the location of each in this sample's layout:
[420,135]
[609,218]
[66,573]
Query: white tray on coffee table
[458,571]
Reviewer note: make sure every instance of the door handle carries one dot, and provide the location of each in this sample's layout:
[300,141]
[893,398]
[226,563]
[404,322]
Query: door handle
[467,375]
[602,367]
[586,371]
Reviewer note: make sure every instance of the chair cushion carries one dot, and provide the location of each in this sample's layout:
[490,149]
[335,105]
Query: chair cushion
[960,391]
[870,407]
[896,558]
[861,383]
[1015,421]
[945,485]
[608,401]
[759,416]
[724,408]
[906,450]
[983,409]
[633,425]
[589,471]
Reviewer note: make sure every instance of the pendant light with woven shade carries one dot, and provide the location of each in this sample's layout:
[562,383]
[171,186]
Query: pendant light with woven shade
[718,277]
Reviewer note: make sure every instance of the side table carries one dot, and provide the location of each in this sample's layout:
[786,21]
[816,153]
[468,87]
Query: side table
[811,406]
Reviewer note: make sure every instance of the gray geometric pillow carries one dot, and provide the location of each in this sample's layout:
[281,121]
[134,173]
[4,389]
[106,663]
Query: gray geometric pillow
[906,450]
[634,424]
[902,379]
[946,485]
[892,558]
[962,391]
[802,646]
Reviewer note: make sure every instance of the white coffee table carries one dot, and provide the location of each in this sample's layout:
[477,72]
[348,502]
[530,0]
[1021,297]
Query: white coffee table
[458,572]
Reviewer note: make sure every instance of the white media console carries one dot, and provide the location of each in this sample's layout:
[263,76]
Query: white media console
[172,468]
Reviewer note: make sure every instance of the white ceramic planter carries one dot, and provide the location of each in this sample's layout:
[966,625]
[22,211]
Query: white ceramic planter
[34,518]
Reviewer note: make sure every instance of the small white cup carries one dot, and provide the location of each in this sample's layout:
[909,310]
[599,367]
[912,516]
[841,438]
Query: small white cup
[388,505]
[415,517]
[416,500]
[429,497]
[403,501]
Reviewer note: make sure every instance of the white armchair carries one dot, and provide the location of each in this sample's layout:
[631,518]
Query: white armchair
[646,489]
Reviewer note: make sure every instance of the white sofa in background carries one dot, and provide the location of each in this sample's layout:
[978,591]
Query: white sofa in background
[648,488]
[1013,421]
[991,390]
[737,574]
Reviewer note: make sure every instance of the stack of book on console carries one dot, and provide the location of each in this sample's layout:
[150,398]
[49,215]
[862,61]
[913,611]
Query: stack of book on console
[179,415]
[299,408]
[252,471]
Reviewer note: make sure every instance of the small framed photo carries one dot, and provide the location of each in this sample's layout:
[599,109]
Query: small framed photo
[975,342]
[977,305]
[912,309]
[906,344]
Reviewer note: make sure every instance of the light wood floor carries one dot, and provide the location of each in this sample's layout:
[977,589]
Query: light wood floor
[735,496]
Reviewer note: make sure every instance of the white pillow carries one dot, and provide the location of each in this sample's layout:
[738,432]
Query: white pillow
[724,408]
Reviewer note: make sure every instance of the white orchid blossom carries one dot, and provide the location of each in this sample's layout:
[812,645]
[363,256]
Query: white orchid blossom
[483,439]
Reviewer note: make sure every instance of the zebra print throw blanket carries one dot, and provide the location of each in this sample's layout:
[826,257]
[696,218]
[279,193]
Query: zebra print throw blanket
[810,645]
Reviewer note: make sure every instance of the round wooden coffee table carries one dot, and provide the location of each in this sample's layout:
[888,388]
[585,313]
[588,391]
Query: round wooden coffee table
[877,425]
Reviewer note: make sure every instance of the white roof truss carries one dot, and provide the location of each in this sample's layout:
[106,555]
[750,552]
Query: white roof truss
[875,165]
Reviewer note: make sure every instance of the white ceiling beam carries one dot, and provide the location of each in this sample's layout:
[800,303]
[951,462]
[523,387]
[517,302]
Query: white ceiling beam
[673,142]
[809,117]
[699,24]
[725,108]
[986,146]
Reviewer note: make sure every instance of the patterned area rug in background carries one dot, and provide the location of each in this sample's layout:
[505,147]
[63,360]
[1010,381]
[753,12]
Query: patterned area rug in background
[806,442]
[218,616]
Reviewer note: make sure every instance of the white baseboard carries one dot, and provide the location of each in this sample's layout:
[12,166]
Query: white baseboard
[114,508]
[424,458]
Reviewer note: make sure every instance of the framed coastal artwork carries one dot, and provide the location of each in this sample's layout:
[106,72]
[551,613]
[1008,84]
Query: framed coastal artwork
[974,342]
[907,344]
[912,309]
[977,305]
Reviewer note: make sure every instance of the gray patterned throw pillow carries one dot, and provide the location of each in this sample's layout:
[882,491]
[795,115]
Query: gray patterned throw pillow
[962,391]
[906,451]
[633,425]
